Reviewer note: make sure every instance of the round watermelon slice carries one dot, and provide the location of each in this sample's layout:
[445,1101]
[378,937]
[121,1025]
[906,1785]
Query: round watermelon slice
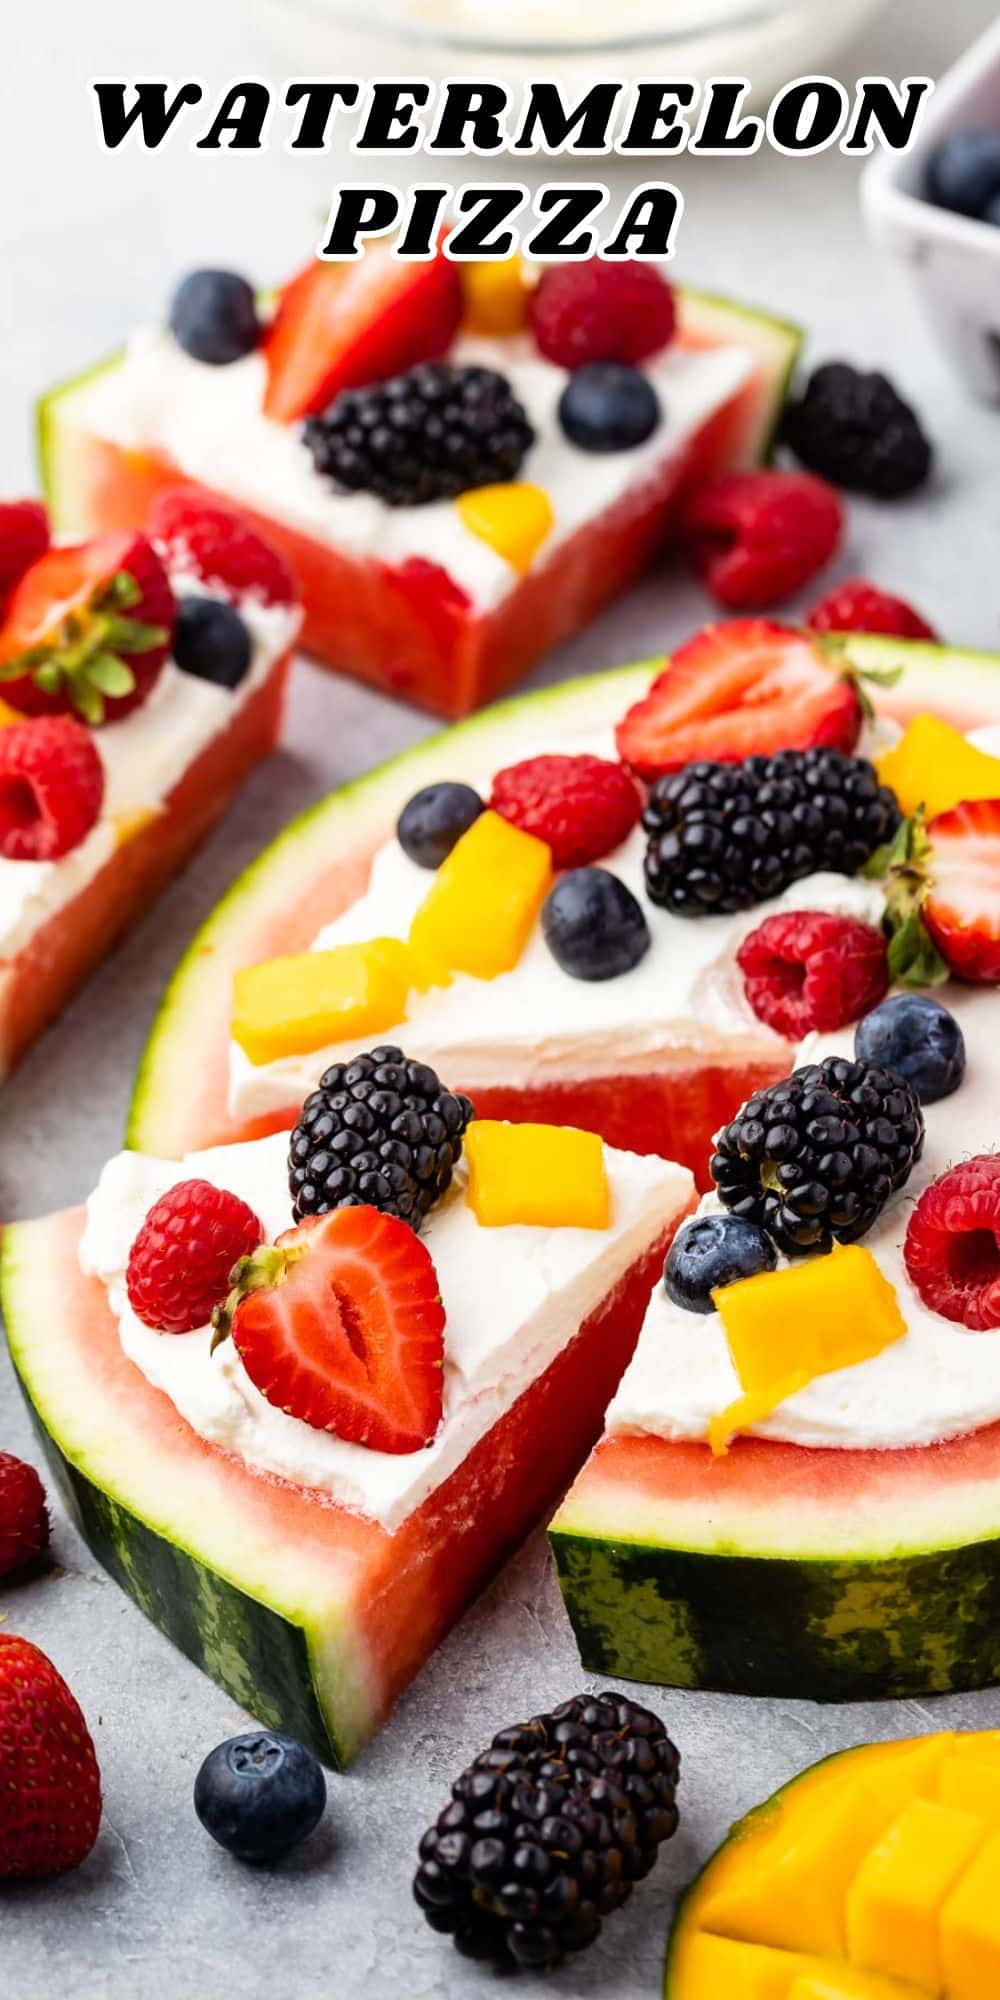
[321,863]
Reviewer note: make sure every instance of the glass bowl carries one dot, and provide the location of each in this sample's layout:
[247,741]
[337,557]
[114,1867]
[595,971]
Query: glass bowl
[767,41]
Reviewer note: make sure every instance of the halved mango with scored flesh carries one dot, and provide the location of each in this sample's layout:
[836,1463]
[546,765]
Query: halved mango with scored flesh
[896,1897]
[484,901]
[843,1982]
[550,1176]
[786,1327]
[970,1929]
[935,766]
[292,1006]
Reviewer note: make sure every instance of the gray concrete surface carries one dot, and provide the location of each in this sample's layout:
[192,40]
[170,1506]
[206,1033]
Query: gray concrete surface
[90,244]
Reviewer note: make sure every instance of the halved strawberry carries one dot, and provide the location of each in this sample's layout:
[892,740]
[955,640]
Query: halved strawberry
[943,897]
[89,628]
[744,689]
[339,326]
[340,1323]
[24,536]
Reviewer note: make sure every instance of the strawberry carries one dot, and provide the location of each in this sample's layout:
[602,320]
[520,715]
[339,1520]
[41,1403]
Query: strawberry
[24,1521]
[51,787]
[24,536]
[943,897]
[50,1784]
[339,326]
[89,627]
[340,1323]
[746,689]
[205,539]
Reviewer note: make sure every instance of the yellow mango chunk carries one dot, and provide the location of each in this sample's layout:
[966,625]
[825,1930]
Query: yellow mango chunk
[484,900]
[895,1899]
[8,716]
[127,825]
[550,1176]
[291,1006]
[514,519]
[795,1900]
[786,1327]
[935,767]
[843,1982]
[971,1785]
[970,1929]
[496,296]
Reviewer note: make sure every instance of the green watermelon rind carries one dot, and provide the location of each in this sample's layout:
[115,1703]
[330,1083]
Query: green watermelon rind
[265,1657]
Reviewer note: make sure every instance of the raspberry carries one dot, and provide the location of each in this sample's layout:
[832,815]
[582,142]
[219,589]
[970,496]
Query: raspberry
[24,1522]
[180,1264]
[952,1248]
[204,539]
[811,970]
[756,537]
[24,536]
[858,606]
[51,787]
[597,311]
[583,807]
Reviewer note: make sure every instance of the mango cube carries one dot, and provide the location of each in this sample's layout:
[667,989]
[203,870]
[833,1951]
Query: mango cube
[786,1327]
[8,716]
[895,1899]
[496,296]
[934,766]
[971,1785]
[514,519]
[128,825]
[484,900]
[970,1929]
[707,1967]
[291,1006]
[843,1982]
[549,1176]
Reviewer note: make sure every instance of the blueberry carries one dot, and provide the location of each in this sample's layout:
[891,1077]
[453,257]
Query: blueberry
[607,407]
[711,1251]
[593,925]
[918,1038]
[211,641]
[434,819]
[964,172]
[213,316]
[258,1795]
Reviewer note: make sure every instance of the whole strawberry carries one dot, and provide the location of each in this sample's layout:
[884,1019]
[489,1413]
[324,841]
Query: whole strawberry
[88,630]
[50,1784]
[24,1521]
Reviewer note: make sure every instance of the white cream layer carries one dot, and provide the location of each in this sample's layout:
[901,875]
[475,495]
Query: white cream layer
[514,1298]
[210,423]
[144,756]
[938,1382]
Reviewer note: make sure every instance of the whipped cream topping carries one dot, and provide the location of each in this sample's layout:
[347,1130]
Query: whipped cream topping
[514,1298]
[210,422]
[144,756]
[684,1001]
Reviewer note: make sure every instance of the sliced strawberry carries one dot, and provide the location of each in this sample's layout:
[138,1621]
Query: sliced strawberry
[24,536]
[340,1323]
[89,627]
[339,326]
[962,906]
[745,689]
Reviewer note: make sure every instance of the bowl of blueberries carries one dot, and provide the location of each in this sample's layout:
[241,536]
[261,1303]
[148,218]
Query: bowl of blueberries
[937,208]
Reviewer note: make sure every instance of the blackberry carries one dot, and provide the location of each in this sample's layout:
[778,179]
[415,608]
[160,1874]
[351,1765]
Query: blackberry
[427,435]
[380,1131]
[813,1160]
[548,1831]
[855,430]
[723,837]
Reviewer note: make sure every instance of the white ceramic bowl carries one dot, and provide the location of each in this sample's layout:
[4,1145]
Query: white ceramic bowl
[768,41]
[954,262]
